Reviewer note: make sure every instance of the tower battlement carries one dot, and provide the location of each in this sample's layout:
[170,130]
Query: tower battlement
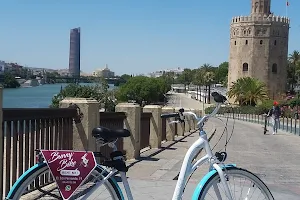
[249,19]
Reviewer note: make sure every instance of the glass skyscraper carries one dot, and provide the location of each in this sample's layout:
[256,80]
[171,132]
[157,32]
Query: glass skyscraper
[74,57]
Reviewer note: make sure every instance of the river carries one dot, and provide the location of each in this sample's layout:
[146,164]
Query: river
[32,97]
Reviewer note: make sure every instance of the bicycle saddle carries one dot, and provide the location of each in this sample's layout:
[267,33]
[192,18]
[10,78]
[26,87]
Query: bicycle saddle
[219,98]
[109,134]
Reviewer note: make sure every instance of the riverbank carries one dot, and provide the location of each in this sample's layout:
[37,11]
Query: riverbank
[32,97]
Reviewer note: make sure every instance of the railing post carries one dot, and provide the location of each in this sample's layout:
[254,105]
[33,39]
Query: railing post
[180,126]
[155,125]
[295,126]
[170,128]
[90,118]
[133,123]
[291,125]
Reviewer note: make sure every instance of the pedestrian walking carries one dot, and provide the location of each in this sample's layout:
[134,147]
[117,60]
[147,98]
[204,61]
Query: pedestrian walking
[275,113]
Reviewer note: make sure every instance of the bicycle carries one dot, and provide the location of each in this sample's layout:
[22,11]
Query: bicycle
[217,180]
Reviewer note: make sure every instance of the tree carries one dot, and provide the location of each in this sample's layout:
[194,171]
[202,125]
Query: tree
[141,88]
[98,92]
[10,81]
[248,91]
[208,72]
[209,78]
[222,73]
[126,77]
[186,77]
[198,79]
[293,69]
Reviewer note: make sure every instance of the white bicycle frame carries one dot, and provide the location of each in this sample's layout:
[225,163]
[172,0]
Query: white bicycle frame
[187,167]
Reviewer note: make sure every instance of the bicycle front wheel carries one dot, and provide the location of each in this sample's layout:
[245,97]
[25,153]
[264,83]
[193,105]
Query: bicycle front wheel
[39,184]
[242,185]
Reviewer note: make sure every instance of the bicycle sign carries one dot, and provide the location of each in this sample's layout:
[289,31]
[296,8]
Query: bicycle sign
[69,168]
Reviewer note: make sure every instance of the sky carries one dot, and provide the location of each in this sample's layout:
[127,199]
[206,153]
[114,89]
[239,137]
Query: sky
[132,36]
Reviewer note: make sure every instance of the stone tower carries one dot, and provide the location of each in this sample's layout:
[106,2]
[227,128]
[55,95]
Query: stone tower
[259,47]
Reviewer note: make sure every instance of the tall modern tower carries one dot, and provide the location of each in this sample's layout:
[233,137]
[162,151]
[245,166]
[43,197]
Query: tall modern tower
[74,57]
[259,47]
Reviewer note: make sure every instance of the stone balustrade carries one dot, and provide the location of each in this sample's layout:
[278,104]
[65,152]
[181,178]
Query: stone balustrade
[150,134]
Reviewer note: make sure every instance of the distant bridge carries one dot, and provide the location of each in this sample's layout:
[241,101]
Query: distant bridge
[85,79]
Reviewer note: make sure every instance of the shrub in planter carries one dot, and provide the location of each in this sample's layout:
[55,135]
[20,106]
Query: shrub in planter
[264,107]
[294,102]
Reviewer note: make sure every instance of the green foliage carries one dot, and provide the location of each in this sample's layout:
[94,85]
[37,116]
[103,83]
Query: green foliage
[239,110]
[293,102]
[248,91]
[293,70]
[186,77]
[126,77]
[222,73]
[264,107]
[98,92]
[141,88]
[10,81]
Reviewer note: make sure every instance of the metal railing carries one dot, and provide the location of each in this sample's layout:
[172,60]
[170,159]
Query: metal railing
[26,129]
[288,124]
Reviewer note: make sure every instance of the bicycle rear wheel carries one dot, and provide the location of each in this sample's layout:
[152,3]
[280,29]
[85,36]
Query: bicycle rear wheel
[242,185]
[39,184]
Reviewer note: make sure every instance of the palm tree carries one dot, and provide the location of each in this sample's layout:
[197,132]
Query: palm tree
[208,72]
[248,91]
[209,78]
[186,77]
[293,68]
[198,80]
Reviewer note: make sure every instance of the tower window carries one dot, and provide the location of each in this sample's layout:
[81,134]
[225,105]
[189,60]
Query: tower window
[234,42]
[246,42]
[260,42]
[245,67]
[274,68]
[275,42]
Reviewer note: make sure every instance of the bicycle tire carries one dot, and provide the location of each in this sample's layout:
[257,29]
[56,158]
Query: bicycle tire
[215,179]
[28,177]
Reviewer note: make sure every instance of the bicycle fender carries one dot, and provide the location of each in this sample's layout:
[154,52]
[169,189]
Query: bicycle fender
[22,178]
[205,179]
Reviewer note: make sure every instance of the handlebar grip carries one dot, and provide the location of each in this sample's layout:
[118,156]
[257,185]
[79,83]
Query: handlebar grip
[168,115]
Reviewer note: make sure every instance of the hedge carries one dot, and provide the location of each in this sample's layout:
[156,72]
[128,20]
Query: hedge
[289,108]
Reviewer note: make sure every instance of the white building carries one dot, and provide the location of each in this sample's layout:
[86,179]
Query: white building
[176,71]
[2,66]
[105,73]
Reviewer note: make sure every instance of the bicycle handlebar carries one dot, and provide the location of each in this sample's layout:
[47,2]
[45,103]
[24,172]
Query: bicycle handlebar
[179,116]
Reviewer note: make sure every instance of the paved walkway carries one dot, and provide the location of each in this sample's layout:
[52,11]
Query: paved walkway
[274,158]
